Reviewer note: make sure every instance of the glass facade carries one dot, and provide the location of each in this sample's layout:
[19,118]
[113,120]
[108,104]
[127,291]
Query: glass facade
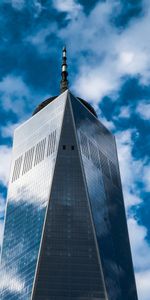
[65,232]
[99,157]
[69,268]
[34,155]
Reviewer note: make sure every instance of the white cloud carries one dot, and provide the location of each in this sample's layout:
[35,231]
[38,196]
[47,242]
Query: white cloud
[12,84]
[143,109]
[34,5]
[5,160]
[16,96]
[95,78]
[125,112]
[17,4]
[110,53]
[109,124]
[143,280]
[129,167]
[146,177]
[37,7]
[139,245]
[134,56]
[8,130]
[39,39]
[14,93]
[132,171]
[95,84]
[131,199]
[69,6]
[141,257]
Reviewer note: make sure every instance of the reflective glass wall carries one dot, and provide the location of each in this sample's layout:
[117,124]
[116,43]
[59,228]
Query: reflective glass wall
[34,154]
[69,268]
[77,193]
[98,150]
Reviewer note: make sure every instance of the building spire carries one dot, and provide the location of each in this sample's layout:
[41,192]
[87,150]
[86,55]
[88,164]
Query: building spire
[64,73]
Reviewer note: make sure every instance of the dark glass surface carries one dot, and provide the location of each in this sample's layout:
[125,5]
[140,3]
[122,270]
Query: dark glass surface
[33,161]
[104,187]
[69,268]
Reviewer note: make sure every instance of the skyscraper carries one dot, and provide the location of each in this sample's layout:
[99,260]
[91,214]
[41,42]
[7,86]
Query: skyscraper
[65,234]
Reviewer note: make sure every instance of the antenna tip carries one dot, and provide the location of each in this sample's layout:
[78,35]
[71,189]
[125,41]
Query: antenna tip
[64,73]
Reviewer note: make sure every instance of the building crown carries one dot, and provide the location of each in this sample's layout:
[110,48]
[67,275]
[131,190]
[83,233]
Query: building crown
[64,87]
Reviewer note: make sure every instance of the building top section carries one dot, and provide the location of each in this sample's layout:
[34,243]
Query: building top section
[49,100]
[49,116]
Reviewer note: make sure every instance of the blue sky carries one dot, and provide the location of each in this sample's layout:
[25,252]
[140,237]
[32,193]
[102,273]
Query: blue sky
[108,47]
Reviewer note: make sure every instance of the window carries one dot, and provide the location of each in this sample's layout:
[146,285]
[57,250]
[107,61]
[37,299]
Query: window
[39,153]
[51,143]
[17,168]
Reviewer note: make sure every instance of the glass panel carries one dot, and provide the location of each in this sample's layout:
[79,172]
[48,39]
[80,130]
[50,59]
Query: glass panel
[105,193]
[28,197]
[69,268]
